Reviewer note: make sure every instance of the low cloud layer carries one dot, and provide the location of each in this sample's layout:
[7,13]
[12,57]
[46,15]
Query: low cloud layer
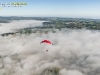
[18,24]
[75,52]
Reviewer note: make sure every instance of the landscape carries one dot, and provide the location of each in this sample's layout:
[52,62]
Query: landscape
[50,37]
[52,23]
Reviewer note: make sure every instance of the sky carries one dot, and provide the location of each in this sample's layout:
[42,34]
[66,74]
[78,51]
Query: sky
[53,8]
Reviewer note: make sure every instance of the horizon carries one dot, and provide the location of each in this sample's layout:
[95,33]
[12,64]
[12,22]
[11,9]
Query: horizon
[51,17]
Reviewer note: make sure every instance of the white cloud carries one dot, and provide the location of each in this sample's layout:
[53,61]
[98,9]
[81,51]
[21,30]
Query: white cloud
[75,52]
[18,24]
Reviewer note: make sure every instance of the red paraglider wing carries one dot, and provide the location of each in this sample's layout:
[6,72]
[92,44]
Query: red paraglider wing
[46,41]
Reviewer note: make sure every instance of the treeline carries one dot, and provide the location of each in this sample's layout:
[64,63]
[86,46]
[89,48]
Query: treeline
[4,21]
[47,18]
[72,24]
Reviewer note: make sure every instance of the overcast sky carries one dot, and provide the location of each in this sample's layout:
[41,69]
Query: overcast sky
[53,8]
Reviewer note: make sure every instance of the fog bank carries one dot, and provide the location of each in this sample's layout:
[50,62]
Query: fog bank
[18,24]
[75,52]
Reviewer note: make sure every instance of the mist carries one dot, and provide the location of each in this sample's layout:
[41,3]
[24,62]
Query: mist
[75,52]
[18,24]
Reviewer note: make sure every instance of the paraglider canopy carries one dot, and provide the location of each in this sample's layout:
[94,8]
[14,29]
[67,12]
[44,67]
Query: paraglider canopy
[46,41]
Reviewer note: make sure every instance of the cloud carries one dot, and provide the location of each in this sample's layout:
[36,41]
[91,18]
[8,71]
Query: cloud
[75,52]
[18,24]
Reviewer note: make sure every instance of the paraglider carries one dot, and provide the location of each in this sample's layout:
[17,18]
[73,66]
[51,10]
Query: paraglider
[47,50]
[47,42]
